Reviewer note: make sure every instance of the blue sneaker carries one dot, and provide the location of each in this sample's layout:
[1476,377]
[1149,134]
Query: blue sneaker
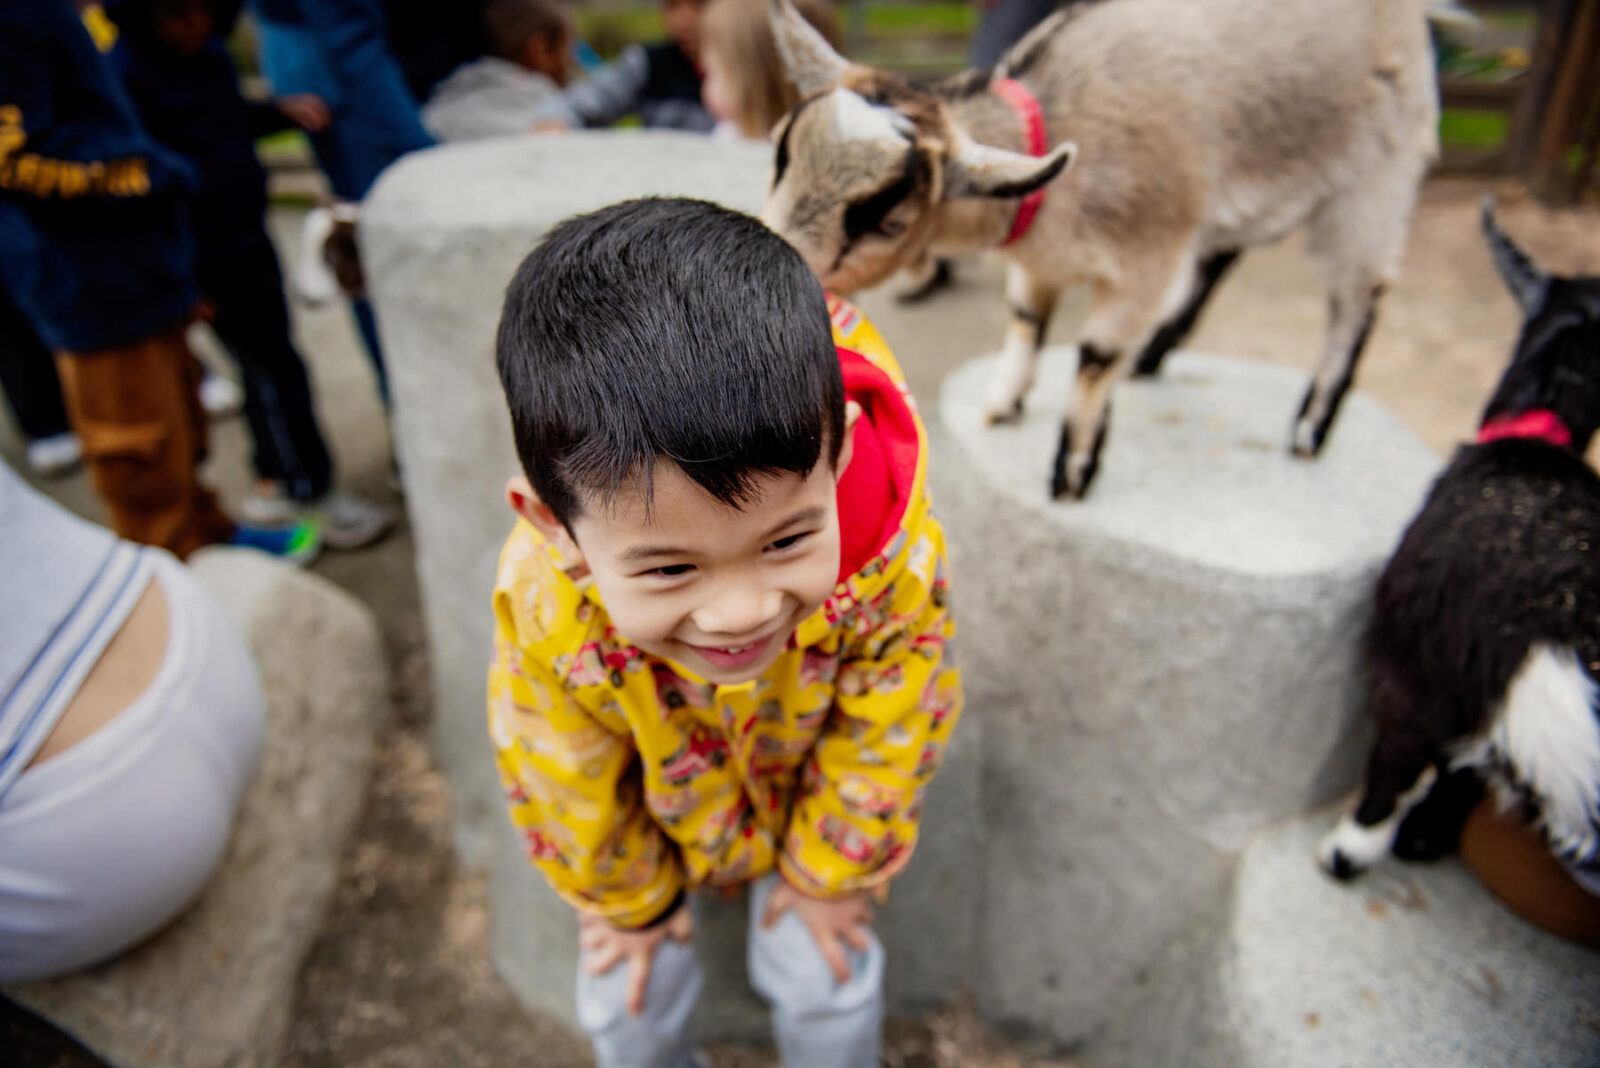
[298,543]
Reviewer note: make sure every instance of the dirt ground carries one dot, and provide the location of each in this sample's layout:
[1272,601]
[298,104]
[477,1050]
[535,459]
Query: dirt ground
[400,977]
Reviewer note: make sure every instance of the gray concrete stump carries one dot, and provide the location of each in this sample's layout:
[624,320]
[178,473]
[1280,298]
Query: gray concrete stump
[441,236]
[1414,964]
[1155,672]
[215,988]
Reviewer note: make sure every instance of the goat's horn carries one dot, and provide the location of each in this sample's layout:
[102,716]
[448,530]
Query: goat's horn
[810,60]
[1521,275]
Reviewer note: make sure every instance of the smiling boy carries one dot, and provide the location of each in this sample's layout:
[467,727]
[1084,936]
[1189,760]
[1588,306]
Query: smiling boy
[720,653]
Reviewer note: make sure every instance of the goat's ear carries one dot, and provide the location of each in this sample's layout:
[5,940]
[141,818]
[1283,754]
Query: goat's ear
[1520,274]
[808,58]
[975,170]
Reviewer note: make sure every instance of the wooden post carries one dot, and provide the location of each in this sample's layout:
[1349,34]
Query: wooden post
[1573,94]
[1532,102]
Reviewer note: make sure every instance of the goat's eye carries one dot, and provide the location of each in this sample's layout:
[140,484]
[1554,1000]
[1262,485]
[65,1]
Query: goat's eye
[892,227]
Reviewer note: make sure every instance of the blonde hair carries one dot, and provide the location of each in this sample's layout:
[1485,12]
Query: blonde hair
[738,34]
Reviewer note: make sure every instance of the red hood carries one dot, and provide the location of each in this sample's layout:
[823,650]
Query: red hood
[875,487]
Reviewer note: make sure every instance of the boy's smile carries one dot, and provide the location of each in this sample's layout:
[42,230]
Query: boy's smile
[715,589]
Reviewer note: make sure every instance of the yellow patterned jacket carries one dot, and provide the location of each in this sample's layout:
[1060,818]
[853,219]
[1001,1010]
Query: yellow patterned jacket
[631,779]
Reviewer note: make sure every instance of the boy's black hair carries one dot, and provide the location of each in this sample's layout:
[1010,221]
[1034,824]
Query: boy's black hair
[666,328]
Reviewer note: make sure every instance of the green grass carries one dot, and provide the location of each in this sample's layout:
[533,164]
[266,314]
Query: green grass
[1461,128]
[916,20]
[610,27]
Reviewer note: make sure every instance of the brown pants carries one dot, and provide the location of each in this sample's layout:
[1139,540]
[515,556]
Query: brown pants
[137,411]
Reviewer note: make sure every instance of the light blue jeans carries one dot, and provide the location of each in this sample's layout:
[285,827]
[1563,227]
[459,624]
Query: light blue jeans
[816,1022]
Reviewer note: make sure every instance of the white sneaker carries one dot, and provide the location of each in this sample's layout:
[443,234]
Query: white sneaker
[221,397]
[268,506]
[350,522]
[56,455]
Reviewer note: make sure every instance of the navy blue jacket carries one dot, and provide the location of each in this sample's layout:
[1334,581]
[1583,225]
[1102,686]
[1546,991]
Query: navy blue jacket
[94,244]
[192,105]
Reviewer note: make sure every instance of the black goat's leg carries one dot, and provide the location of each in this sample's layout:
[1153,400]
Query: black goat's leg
[1433,828]
[1175,330]
[1401,769]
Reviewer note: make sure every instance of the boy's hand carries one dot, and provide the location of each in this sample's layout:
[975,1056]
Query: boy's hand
[306,110]
[831,921]
[605,946]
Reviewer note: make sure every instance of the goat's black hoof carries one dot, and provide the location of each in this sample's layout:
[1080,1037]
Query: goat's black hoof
[1308,439]
[1341,867]
[1063,488]
[1005,418]
[1147,368]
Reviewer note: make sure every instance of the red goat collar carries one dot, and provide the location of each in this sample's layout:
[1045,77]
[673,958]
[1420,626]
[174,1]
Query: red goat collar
[1539,423]
[1026,105]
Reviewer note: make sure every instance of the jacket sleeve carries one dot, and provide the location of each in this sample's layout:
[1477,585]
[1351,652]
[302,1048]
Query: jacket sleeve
[43,160]
[575,792]
[613,91]
[897,698]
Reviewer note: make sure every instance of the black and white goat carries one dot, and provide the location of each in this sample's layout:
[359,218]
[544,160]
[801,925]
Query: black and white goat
[1484,650]
[1200,127]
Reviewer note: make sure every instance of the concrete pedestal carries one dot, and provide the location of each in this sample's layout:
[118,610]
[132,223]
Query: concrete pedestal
[215,988]
[1412,964]
[1159,670]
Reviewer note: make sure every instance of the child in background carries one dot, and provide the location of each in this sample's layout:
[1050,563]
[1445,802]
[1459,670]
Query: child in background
[96,252]
[721,621]
[33,390]
[187,93]
[518,88]
[660,82]
[745,89]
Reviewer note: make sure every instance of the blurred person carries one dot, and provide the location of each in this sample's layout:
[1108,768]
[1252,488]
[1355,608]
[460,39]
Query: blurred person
[33,392]
[516,89]
[1001,24]
[745,88]
[658,82]
[186,91]
[339,51]
[96,251]
[131,723]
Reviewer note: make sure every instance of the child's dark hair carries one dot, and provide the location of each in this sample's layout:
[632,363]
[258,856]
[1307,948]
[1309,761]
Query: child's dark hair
[508,24]
[667,328]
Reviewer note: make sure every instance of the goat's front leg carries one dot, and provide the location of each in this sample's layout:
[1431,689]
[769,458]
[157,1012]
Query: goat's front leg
[1031,303]
[1120,321]
[1400,772]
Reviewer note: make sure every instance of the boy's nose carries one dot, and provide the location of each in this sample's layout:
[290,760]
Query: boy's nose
[739,612]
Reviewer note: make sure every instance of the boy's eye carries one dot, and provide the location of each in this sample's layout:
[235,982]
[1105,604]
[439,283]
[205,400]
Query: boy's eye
[671,570]
[792,539]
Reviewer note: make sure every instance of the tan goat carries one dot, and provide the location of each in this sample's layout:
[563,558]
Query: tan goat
[1199,127]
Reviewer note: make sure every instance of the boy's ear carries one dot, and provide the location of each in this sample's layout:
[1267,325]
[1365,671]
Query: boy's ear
[525,501]
[852,412]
